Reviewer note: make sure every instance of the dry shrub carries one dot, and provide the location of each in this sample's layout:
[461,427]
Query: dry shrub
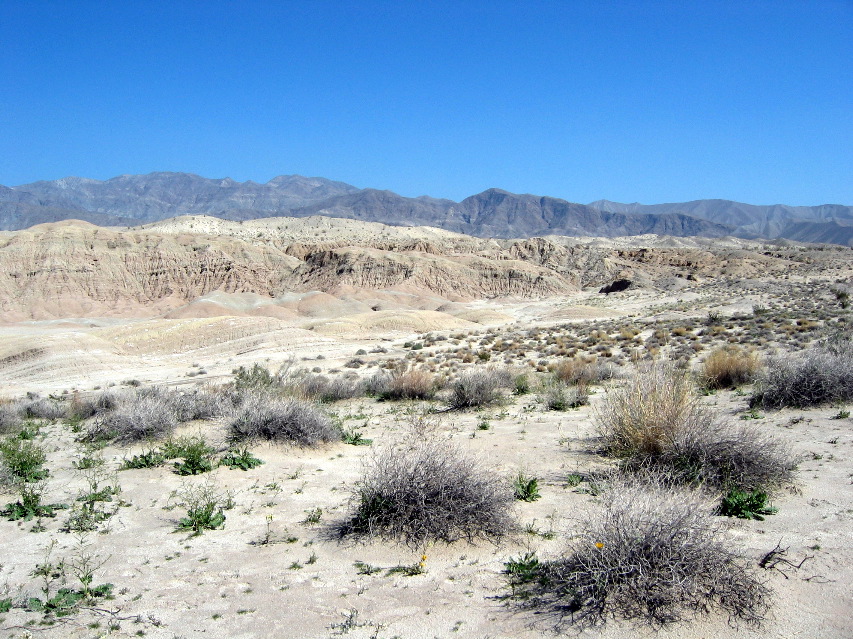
[42,408]
[408,384]
[819,375]
[323,389]
[11,417]
[579,370]
[428,491]
[557,395]
[198,404]
[722,456]
[137,417]
[479,387]
[652,552]
[283,421]
[656,422]
[728,367]
[644,416]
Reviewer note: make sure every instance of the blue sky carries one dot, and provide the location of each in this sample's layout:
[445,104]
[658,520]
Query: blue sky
[629,101]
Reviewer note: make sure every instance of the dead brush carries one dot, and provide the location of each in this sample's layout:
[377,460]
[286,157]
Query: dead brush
[427,491]
[819,375]
[282,421]
[652,552]
[729,367]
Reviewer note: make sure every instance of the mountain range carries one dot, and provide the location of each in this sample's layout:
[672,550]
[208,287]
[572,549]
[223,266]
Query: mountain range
[131,200]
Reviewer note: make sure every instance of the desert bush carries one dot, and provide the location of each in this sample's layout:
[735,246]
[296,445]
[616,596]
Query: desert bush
[257,378]
[11,417]
[643,416]
[137,417]
[198,404]
[651,552]
[656,422]
[728,367]
[42,408]
[427,491]
[557,395]
[819,375]
[322,389]
[722,456]
[404,384]
[479,387]
[282,420]
[579,370]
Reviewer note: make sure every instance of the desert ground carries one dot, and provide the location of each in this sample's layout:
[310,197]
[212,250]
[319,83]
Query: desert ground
[183,304]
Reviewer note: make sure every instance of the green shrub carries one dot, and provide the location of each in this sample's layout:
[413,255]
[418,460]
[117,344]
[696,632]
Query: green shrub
[205,505]
[146,459]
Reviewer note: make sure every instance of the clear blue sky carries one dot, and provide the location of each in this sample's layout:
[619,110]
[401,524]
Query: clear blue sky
[629,101]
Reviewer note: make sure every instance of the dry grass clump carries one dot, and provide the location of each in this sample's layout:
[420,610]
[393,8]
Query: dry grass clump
[819,375]
[728,367]
[580,370]
[289,421]
[479,387]
[657,422]
[651,552]
[137,417]
[644,416]
[430,490]
[411,383]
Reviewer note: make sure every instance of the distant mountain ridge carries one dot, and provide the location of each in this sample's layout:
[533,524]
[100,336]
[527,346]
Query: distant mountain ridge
[129,200]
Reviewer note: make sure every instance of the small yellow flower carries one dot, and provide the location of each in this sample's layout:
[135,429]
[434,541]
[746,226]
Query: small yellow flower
[599,545]
[423,557]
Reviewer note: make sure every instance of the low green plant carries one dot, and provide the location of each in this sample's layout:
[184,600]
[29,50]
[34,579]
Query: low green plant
[366,569]
[354,437]
[197,457]
[573,480]
[205,504]
[746,505]
[5,605]
[313,516]
[408,571]
[240,459]
[30,504]
[146,459]
[526,488]
[66,601]
[841,414]
[522,570]
[23,459]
